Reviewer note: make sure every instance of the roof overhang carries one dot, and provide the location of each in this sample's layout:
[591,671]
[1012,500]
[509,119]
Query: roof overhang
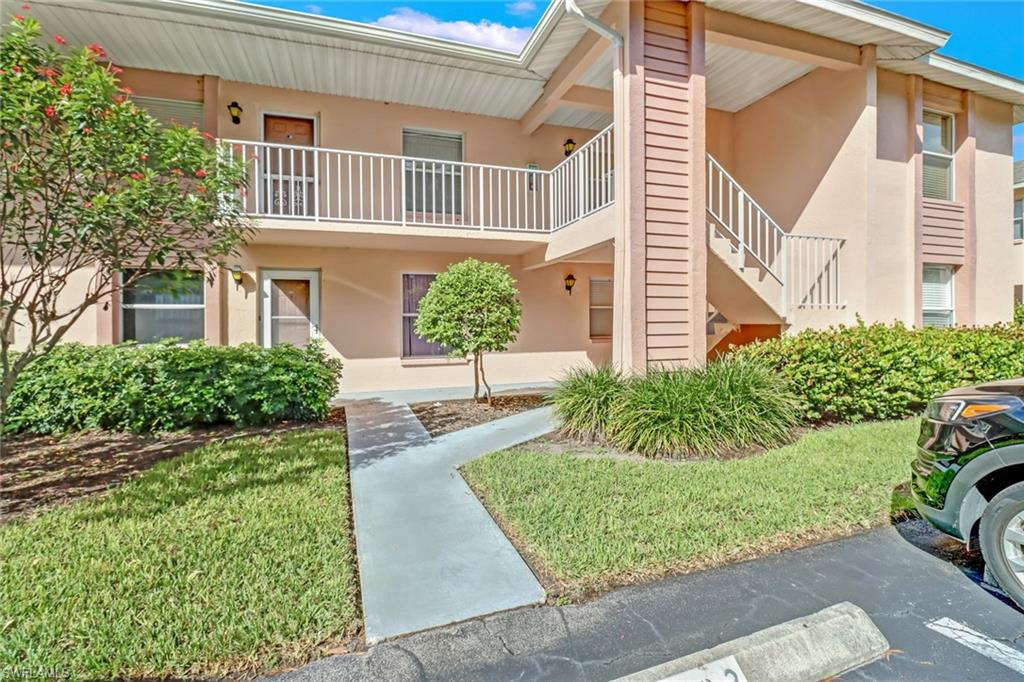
[958,74]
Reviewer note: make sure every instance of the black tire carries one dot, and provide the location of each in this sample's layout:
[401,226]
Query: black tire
[998,515]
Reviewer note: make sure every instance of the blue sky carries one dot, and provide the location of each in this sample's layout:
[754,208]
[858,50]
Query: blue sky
[989,33]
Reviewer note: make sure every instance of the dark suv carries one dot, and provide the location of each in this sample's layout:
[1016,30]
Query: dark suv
[968,478]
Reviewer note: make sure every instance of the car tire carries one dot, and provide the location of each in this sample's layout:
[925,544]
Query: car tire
[1002,541]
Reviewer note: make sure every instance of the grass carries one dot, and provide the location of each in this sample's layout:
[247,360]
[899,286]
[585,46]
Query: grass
[596,522]
[232,558]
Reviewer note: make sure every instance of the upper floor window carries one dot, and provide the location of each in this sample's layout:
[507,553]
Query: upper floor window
[163,304]
[938,155]
[433,178]
[937,296]
[1018,219]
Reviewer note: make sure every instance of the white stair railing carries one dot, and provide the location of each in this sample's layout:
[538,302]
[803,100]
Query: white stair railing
[314,183]
[806,267]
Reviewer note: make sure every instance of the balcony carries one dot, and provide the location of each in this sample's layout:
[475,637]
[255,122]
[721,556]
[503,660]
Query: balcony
[333,185]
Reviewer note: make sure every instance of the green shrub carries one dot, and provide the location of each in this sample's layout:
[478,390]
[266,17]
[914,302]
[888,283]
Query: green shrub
[584,398]
[165,386]
[868,372]
[729,403]
[1018,314]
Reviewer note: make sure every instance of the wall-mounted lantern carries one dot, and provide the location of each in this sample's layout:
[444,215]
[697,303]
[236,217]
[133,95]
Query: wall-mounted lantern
[570,282]
[236,274]
[569,145]
[235,109]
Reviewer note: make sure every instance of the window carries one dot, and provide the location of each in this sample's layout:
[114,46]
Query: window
[433,187]
[937,296]
[600,307]
[1018,219]
[938,155]
[414,287]
[163,304]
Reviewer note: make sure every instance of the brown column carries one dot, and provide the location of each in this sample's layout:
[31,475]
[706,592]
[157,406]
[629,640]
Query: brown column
[211,105]
[108,319]
[214,311]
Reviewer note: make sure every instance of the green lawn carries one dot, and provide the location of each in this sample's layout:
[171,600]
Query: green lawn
[233,557]
[594,522]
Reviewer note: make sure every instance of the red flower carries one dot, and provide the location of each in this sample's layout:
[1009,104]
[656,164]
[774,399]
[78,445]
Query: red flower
[136,176]
[48,72]
[126,90]
[16,69]
[143,157]
[18,17]
[116,70]
[201,190]
[60,40]
[87,204]
[200,173]
[96,49]
[26,6]
[87,130]
[207,135]
[51,112]
[65,89]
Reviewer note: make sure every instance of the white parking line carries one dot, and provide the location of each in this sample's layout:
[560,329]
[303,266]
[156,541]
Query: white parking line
[983,644]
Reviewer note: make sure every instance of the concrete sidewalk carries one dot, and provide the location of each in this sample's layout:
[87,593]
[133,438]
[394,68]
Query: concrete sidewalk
[429,553]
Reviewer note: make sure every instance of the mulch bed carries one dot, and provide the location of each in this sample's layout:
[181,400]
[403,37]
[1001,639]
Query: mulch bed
[453,415]
[36,471]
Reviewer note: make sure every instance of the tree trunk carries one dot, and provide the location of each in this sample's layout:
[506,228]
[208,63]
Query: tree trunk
[476,376]
[487,386]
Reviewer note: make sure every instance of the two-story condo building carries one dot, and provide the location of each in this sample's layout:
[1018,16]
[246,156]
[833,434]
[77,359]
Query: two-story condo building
[702,173]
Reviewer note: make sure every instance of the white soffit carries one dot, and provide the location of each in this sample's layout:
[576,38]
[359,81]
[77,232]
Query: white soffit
[577,118]
[737,78]
[958,74]
[848,21]
[279,48]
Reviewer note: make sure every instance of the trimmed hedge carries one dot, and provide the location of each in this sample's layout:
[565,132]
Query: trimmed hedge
[868,372]
[163,387]
[728,404]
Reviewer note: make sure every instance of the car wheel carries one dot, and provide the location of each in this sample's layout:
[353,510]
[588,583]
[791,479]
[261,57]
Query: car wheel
[1002,541]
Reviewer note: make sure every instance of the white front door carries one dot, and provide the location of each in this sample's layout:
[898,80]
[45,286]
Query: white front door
[291,306]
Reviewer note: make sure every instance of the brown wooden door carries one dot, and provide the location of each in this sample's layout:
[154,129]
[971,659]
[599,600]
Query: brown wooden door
[289,171]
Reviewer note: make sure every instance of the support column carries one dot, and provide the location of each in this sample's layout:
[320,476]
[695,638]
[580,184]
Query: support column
[915,130]
[661,238]
[966,277]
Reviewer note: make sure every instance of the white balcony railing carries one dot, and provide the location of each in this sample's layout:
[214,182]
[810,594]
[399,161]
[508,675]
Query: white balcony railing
[313,183]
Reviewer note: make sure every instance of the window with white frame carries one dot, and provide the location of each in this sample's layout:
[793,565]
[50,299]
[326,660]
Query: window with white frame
[938,155]
[600,307]
[414,288]
[1018,219]
[163,304]
[937,296]
[433,177]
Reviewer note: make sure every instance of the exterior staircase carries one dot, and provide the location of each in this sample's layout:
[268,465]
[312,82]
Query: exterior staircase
[757,272]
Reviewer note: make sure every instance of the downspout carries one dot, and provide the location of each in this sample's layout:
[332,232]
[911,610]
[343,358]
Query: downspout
[573,10]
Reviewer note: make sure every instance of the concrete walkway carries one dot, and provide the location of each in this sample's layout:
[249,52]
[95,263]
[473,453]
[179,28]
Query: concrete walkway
[429,553]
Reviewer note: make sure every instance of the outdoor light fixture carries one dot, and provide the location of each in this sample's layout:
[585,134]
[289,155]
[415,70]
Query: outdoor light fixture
[235,109]
[236,274]
[569,145]
[570,282]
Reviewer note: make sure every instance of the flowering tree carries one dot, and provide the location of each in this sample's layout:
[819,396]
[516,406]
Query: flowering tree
[91,186]
[472,308]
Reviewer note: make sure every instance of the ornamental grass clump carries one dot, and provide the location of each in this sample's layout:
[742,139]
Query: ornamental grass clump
[584,398]
[729,404]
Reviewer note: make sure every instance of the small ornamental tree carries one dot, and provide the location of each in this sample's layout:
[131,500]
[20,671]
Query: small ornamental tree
[92,187]
[471,308]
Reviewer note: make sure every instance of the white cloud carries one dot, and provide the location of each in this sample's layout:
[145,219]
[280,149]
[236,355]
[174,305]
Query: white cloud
[314,9]
[485,33]
[520,7]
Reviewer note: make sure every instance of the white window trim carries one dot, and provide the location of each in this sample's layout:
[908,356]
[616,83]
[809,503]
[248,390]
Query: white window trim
[312,276]
[1018,221]
[157,306]
[939,155]
[591,306]
[951,310]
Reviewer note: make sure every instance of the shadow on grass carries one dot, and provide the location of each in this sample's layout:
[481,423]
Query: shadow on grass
[221,470]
